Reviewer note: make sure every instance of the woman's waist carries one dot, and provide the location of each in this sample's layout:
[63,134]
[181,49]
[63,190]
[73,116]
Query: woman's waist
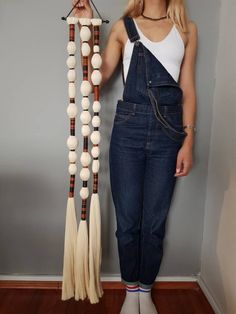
[146,107]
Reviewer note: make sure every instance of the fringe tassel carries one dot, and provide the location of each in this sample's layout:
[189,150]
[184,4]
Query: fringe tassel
[69,251]
[81,260]
[95,289]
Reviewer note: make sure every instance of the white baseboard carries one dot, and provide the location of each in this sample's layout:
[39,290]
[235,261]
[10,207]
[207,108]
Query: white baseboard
[103,278]
[208,295]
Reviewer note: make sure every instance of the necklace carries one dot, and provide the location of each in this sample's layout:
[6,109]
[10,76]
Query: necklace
[150,18]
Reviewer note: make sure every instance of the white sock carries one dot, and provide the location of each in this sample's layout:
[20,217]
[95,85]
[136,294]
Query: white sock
[131,302]
[145,302]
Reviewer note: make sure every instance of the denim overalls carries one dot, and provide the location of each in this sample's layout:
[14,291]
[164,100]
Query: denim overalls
[146,137]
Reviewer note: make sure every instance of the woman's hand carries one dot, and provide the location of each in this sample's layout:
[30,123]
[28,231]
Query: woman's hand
[82,9]
[184,161]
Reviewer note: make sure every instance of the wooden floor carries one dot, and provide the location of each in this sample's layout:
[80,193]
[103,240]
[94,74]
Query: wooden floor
[180,300]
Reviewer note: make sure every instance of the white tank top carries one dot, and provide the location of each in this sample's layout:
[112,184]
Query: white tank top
[169,51]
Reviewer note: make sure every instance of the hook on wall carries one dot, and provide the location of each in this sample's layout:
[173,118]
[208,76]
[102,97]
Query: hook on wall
[103,21]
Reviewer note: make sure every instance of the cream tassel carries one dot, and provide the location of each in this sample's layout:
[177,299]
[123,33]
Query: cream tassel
[69,250]
[95,289]
[81,261]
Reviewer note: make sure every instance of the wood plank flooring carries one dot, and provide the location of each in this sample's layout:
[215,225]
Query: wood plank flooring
[170,298]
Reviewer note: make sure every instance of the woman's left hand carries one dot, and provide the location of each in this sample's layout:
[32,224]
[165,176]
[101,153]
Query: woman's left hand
[184,160]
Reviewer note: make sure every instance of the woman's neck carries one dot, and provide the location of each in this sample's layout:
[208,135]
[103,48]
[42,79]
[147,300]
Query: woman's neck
[154,8]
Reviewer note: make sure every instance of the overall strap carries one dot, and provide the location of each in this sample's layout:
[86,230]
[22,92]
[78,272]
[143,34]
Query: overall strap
[131,28]
[132,34]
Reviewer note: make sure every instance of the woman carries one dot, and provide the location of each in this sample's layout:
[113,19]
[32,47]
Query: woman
[153,132]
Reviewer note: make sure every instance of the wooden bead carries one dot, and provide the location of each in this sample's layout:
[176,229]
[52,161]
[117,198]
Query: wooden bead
[72,169]
[96,121]
[85,159]
[72,142]
[96,77]
[96,61]
[71,47]
[85,88]
[95,151]
[71,75]
[95,137]
[85,103]
[85,130]
[84,21]
[96,106]
[84,193]
[96,21]
[85,117]
[95,166]
[71,90]
[85,49]
[72,20]
[96,48]
[84,174]
[85,33]
[72,110]
[71,62]
[72,156]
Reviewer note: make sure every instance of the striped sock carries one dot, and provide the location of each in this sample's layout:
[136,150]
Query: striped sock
[144,289]
[132,288]
[146,303]
[131,301]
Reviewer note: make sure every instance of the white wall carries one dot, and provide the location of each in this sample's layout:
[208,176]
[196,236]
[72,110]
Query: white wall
[218,267]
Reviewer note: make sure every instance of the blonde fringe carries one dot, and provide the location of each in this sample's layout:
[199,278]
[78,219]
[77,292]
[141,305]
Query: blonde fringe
[176,11]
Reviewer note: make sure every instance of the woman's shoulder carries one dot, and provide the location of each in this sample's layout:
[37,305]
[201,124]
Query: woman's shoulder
[118,28]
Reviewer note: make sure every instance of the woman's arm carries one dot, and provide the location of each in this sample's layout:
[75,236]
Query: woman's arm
[187,83]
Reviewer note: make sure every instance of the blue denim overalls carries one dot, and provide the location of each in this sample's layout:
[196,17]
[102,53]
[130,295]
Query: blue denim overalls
[146,137]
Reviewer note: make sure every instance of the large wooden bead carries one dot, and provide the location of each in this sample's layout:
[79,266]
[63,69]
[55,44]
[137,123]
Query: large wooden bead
[85,159]
[71,47]
[84,21]
[96,106]
[96,77]
[95,166]
[96,61]
[72,20]
[85,117]
[72,142]
[95,137]
[72,110]
[84,192]
[85,33]
[96,121]
[71,75]
[71,90]
[95,151]
[72,156]
[85,88]
[84,174]
[72,169]
[71,62]
[85,103]
[85,130]
[85,49]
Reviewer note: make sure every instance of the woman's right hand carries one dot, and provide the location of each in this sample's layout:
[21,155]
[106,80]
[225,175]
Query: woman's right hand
[83,9]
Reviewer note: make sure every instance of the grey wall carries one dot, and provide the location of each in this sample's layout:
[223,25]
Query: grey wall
[218,250]
[34,129]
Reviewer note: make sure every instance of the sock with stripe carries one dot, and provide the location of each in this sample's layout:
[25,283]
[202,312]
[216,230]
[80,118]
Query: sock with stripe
[146,304]
[131,302]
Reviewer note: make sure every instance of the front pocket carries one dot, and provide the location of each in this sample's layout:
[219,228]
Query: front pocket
[122,116]
[175,119]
